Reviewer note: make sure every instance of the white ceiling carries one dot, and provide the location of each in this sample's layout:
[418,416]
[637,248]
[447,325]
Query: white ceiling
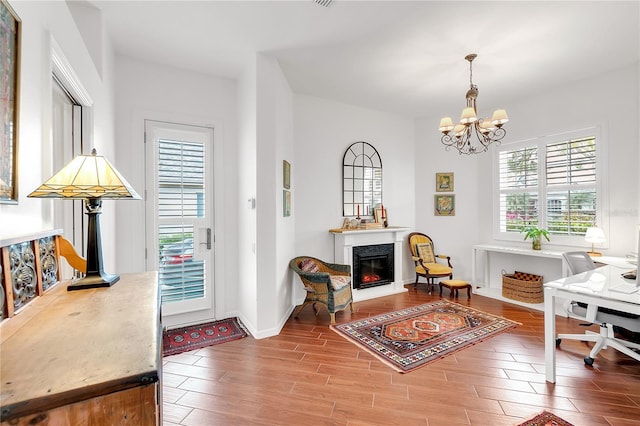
[405,57]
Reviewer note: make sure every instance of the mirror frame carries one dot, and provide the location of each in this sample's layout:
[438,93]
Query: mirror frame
[361,180]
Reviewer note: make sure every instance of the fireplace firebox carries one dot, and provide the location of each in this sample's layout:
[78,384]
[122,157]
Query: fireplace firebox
[372,265]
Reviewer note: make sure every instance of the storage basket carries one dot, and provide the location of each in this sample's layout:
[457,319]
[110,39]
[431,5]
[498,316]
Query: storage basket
[522,287]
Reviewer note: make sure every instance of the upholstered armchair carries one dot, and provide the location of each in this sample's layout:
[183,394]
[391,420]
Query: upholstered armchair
[428,264]
[325,283]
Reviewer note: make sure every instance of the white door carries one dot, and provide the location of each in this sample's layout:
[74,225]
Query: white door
[179,209]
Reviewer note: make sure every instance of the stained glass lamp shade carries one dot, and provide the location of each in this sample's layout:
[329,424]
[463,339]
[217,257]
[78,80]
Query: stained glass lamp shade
[90,178]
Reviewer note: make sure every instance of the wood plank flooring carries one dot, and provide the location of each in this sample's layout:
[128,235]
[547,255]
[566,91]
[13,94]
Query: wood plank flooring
[308,375]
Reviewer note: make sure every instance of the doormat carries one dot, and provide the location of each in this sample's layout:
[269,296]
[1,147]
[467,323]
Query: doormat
[413,337]
[198,336]
[546,419]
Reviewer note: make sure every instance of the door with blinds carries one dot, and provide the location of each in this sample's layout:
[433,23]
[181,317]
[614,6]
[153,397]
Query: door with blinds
[179,211]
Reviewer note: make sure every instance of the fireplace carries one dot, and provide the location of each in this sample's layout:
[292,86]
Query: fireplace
[346,240]
[372,265]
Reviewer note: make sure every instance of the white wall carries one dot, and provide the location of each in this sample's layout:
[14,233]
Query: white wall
[609,100]
[43,21]
[275,233]
[247,216]
[146,91]
[324,129]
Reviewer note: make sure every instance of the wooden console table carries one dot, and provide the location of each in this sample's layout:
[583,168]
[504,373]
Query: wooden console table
[84,357]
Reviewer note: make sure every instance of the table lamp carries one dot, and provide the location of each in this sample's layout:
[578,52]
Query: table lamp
[90,178]
[594,235]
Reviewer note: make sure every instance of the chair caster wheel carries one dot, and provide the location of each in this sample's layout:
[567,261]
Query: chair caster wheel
[588,361]
[558,341]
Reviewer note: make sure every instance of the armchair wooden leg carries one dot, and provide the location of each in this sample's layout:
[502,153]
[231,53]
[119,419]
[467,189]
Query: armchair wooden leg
[333,317]
[351,306]
[299,309]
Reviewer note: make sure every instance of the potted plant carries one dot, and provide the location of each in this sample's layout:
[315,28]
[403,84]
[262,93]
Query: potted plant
[536,235]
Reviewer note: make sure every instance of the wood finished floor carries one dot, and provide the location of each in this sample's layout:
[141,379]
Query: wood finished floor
[308,375]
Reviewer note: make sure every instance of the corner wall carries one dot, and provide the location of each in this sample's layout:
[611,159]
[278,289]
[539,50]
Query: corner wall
[42,22]
[147,91]
[610,100]
[324,129]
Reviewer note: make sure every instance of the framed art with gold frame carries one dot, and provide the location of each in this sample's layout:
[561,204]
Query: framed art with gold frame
[10,105]
[444,205]
[444,182]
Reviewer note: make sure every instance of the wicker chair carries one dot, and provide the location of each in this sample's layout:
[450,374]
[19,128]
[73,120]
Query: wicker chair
[326,283]
[425,258]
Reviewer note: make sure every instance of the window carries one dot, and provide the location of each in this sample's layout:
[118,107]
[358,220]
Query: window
[552,182]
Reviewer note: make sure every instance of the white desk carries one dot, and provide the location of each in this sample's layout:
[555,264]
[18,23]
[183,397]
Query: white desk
[487,249]
[591,287]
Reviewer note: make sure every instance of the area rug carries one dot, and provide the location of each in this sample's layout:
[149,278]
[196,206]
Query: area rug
[546,419]
[199,336]
[413,337]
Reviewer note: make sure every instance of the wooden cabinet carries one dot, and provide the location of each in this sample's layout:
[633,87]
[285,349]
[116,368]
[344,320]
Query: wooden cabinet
[84,357]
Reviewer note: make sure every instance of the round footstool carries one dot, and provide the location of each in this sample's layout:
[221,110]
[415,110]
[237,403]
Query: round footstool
[454,286]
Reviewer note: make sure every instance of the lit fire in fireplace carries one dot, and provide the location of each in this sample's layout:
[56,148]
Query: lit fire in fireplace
[370,278]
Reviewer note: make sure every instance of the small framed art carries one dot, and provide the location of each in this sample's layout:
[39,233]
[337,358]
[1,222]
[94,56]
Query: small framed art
[444,205]
[286,203]
[286,174]
[444,182]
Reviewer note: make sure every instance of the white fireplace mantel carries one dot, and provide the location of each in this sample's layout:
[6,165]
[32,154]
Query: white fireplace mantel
[344,240]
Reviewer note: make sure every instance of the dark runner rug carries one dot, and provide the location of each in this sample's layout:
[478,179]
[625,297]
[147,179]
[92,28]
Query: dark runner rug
[199,336]
[546,419]
[411,338]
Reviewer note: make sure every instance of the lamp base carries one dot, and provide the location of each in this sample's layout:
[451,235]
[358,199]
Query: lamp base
[94,281]
[594,253]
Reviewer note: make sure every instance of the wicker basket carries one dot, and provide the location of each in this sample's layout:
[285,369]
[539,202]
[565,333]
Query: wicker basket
[522,287]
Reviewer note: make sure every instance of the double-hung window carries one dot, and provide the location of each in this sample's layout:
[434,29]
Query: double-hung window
[552,182]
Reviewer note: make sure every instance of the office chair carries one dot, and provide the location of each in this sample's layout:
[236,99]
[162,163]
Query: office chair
[607,319]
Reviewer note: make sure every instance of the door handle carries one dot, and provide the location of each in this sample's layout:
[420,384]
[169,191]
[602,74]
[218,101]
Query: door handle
[208,242]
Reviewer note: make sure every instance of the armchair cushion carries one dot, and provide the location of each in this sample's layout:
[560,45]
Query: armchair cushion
[339,281]
[425,252]
[434,269]
[309,265]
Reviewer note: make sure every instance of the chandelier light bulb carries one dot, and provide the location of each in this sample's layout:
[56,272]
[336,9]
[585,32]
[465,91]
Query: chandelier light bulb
[446,125]
[468,116]
[499,117]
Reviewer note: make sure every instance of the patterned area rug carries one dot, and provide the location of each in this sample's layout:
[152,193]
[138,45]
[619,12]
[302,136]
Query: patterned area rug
[546,419]
[411,338]
[199,336]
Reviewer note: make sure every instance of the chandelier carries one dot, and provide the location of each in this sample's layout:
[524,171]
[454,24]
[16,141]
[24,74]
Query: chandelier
[485,130]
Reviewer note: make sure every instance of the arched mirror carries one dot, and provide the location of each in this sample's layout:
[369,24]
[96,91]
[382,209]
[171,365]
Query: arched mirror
[361,180]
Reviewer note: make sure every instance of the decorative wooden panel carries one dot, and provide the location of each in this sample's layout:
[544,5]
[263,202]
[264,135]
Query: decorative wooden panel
[48,262]
[24,280]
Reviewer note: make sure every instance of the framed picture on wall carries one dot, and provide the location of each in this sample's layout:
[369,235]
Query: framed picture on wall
[444,205]
[444,182]
[286,174]
[9,106]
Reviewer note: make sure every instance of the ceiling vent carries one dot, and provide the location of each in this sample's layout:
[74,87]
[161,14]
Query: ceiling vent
[325,3]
